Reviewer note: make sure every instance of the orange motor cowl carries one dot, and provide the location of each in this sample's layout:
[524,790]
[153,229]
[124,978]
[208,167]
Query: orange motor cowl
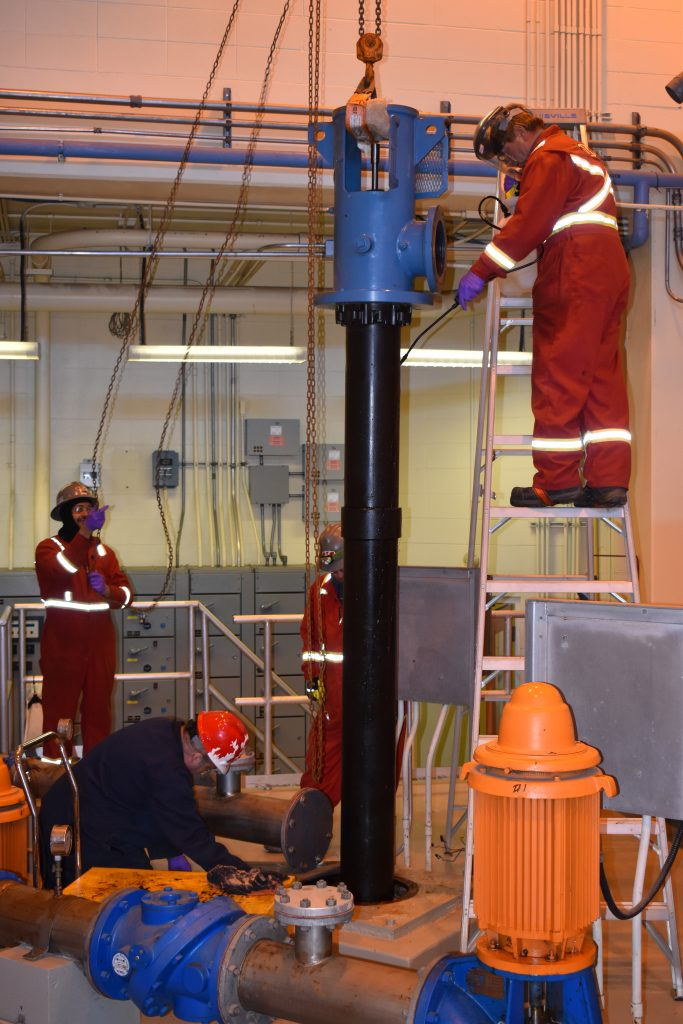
[13,826]
[536,826]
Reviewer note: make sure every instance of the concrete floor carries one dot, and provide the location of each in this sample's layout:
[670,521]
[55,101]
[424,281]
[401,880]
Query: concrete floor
[620,854]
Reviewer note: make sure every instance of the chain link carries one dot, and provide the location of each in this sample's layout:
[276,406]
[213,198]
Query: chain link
[361,17]
[315,337]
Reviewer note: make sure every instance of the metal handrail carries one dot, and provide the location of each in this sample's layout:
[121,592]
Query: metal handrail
[38,741]
[193,606]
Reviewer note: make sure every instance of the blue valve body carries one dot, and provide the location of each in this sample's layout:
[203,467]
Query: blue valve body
[162,950]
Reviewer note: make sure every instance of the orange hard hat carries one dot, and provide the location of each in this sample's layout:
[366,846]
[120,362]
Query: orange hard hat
[223,737]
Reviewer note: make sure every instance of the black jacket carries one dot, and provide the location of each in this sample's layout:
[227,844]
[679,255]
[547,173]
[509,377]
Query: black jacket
[136,802]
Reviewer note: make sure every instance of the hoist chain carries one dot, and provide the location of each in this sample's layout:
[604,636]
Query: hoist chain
[311,507]
[152,262]
[202,313]
[378,17]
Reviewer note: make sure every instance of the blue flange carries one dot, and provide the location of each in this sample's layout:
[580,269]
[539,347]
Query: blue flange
[162,950]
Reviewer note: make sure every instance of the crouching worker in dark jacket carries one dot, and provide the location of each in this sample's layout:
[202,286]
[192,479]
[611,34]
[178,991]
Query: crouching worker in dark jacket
[136,796]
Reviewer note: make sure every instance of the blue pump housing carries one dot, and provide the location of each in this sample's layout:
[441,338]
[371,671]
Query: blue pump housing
[162,950]
[461,990]
[380,246]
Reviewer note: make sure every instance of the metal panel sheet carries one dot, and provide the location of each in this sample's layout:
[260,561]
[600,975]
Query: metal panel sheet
[620,667]
[437,614]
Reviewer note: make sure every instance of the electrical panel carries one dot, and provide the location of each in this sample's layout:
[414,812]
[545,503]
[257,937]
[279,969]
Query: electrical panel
[271,437]
[269,485]
[89,473]
[165,468]
[329,460]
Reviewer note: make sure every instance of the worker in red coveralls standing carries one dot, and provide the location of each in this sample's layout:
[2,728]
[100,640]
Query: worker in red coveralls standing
[565,210]
[80,582]
[322,630]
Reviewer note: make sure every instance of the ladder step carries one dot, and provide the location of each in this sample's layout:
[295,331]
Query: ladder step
[503,664]
[556,512]
[511,439]
[556,585]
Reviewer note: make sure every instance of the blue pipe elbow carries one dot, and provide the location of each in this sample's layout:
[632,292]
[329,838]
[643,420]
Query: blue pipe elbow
[162,950]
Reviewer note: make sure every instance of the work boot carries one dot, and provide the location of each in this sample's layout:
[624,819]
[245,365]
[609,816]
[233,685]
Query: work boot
[536,497]
[602,497]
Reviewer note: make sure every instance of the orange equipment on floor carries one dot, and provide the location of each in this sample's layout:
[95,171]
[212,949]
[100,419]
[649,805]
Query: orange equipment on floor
[536,838]
[13,826]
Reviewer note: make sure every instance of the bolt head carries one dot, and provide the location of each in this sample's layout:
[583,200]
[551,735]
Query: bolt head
[305,902]
[331,902]
[321,884]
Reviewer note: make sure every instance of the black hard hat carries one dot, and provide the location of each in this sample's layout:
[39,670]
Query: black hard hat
[489,136]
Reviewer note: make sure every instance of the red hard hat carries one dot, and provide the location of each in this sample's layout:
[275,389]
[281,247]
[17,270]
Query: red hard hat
[223,737]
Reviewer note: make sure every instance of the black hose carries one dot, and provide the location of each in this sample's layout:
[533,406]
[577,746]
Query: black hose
[627,915]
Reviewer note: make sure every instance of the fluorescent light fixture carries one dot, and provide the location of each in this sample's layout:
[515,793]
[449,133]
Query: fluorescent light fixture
[464,358]
[19,350]
[217,354]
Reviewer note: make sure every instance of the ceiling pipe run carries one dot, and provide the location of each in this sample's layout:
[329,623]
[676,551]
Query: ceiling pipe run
[126,238]
[108,298]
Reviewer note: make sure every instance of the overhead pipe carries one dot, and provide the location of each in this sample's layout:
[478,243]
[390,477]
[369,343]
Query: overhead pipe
[84,239]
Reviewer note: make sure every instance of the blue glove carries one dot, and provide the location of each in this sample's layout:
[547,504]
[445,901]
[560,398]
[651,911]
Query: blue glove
[97,582]
[179,863]
[468,289]
[95,519]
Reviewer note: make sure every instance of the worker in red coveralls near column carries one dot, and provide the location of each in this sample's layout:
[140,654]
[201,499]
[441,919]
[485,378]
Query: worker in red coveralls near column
[80,580]
[322,629]
[566,210]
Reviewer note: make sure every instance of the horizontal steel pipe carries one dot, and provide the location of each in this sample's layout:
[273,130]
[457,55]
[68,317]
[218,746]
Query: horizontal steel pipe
[37,918]
[337,991]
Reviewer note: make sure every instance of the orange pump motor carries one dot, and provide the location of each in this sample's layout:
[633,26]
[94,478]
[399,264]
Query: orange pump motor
[13,826]
[536,796]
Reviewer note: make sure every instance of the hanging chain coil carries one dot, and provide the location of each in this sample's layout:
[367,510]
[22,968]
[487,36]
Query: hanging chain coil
[131,326]
[203,309]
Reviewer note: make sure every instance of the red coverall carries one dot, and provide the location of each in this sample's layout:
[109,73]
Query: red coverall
[78,642]
[578,391]
[323,658]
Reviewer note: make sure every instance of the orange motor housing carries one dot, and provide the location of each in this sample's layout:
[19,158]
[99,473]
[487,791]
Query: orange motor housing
[13,826]
[536,820]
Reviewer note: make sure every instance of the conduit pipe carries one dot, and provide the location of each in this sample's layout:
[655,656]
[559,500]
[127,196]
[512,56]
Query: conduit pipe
[42,415]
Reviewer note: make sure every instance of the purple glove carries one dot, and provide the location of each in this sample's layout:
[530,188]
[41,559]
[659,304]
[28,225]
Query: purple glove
[95,519]
[97,582]
[179,863]
[468,289]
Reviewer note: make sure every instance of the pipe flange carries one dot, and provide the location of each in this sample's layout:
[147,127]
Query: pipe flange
[252,929]
[306,829]
[319,904]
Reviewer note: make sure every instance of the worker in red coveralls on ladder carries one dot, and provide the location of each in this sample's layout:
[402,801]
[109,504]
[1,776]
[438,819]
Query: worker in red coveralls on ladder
[80,582]
[322,629]
[567,212]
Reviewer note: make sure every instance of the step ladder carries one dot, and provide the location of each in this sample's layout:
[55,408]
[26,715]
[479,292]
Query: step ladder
[503,313]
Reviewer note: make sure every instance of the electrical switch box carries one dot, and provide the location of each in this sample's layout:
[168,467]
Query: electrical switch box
[165,468]
[89,473]
[329,461]
[269,485]
[272,437]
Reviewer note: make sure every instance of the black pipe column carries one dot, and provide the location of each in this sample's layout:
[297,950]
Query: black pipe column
[371,525]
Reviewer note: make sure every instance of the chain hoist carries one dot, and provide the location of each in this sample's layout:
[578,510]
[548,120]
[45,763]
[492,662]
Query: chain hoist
[368,51]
